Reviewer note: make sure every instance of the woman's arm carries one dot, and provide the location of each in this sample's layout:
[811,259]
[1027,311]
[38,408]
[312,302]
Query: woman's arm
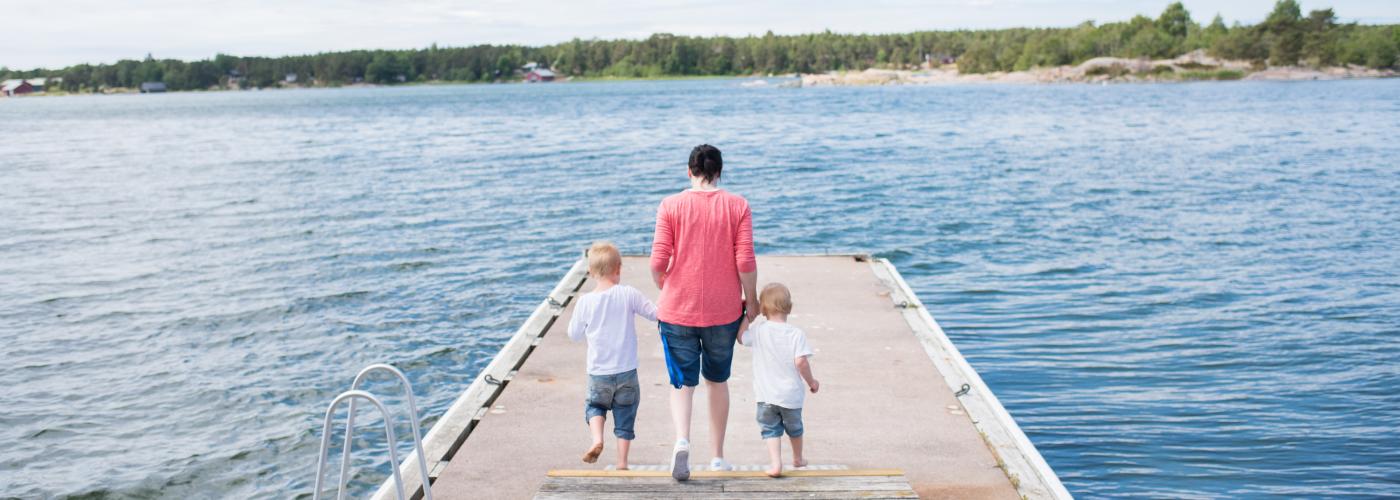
[746,263]
[662,247]
[750,283]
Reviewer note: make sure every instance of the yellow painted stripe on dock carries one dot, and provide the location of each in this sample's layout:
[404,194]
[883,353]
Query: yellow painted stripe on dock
[718,474]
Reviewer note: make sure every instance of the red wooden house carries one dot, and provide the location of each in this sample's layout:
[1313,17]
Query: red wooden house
[16,87]
[539,75]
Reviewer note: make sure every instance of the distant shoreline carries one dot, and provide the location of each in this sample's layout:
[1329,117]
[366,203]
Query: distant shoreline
[578,79]
[1102,70]
[1195,66]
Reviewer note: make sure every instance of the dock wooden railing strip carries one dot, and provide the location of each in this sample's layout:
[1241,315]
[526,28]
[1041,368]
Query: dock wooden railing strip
[1024,466]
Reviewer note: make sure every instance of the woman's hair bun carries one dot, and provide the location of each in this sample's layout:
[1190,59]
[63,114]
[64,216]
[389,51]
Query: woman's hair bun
[705,162]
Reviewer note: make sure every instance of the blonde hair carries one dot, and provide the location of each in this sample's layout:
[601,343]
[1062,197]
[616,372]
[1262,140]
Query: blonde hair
[604,259]
[775,298]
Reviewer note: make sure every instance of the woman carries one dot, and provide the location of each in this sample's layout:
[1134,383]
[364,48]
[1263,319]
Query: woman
[702,260]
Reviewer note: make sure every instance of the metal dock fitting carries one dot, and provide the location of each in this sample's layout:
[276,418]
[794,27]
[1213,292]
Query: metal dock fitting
[353,394]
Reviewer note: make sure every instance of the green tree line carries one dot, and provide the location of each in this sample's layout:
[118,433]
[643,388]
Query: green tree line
[1285,37]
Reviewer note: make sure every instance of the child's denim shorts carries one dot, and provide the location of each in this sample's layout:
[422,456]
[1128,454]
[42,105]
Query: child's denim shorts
[774,419]
[618,393]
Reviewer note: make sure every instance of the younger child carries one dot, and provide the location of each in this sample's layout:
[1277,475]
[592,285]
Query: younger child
[780,367]
[604,316]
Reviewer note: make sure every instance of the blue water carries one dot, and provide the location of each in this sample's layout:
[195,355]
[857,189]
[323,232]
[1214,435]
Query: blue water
[1178,290]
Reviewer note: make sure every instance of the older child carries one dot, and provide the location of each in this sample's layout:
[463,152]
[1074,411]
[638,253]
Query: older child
[605,317]
[780,367]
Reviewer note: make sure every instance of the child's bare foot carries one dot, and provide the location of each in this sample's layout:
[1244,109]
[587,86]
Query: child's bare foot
[798,463]
[622,467]
[592,455]
[775,471]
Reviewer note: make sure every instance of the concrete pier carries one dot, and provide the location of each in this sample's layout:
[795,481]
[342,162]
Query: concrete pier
[889,397]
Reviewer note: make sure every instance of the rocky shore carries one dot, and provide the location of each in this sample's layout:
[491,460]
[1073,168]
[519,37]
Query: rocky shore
[1189,67]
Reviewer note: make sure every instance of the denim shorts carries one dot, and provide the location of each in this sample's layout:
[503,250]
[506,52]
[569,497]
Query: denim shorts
[693,350]
[619,393]
[774,419]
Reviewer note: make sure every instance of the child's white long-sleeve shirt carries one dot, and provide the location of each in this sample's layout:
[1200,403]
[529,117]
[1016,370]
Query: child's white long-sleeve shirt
[605,319]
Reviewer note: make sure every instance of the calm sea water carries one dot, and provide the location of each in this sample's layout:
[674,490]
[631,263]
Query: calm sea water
[1178,290]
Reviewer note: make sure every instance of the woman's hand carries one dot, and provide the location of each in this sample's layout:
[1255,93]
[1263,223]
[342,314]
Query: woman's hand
[749,283]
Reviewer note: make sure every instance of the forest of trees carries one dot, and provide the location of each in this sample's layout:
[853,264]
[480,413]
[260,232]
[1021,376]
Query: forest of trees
[1285,37]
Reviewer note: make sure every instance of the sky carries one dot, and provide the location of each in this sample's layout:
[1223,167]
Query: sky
[57,33]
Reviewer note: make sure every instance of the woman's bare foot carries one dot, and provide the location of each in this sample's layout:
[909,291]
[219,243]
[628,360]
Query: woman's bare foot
[592,455]
[623,467]
[798,463]
[775,471]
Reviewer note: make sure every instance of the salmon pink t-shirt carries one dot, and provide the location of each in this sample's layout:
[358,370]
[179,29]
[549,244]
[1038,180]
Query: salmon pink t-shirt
[704,239]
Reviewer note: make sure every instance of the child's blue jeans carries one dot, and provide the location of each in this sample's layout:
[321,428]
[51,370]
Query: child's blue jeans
[619,393]
[774,419]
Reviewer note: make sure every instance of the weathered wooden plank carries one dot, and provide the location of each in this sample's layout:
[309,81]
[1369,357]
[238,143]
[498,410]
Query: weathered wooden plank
[706,474]
[731,478]
[768,495]
[628,484]
[729,484]
[810,495]
[809,484]
[735,487]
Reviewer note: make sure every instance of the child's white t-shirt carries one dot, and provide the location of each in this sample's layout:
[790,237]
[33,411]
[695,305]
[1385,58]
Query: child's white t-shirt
[605,318]
[776,347]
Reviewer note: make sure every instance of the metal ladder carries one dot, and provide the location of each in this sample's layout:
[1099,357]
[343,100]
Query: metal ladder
[351,395]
